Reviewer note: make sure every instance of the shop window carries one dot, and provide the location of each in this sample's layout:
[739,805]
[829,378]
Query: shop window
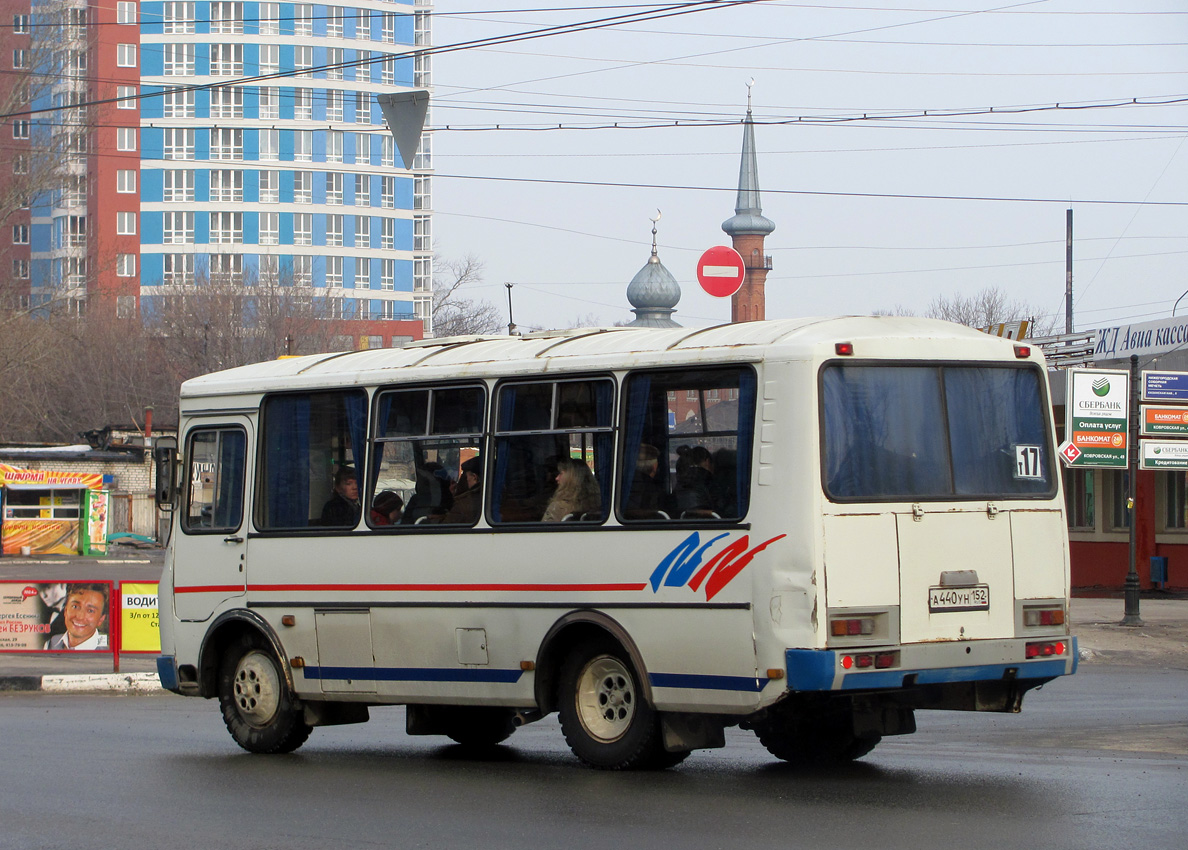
[41,504]
[1116,484]
[1175,501]
[1080,499]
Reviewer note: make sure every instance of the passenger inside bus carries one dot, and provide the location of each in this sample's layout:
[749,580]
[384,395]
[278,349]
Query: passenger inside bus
[468,496]
[387,508]
[647,496]
[695,484]
[342,508]
[578,496]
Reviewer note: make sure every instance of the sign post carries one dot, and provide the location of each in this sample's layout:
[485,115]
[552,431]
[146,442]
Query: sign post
[720,271]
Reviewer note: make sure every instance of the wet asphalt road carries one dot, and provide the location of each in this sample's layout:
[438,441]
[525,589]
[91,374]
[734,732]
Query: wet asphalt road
[1098,760]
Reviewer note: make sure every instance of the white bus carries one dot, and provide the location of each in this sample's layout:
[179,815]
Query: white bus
[807,528]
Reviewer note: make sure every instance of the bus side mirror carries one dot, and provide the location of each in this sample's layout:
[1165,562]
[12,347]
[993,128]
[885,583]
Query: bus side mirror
[165,460]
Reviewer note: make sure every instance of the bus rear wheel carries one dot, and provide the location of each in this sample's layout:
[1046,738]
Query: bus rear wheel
[258,707]
[813,735]
[604,718]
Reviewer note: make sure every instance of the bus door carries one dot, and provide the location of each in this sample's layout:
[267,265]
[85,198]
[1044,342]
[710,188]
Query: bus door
[209,567]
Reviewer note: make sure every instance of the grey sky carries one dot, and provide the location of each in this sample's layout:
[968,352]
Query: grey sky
[850,236]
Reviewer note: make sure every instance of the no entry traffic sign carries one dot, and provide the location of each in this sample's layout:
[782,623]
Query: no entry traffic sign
[720,271]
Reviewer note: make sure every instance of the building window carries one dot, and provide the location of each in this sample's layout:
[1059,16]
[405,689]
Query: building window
[1080,499]
[178,58]
[302,19]
[422,233]
[303,187]
[226,143]
[179,269]
[20,234]
[303,104]
[334,273]
[226,267]
[1175,501]
[269,145]
[126,182]
[179,143]
[303,59]
[388,72]
[226,102]
[334,22]
[126,305]
[1116,483]
[20,164]
[179,103]
[125,55]
[226,185]
[302,229]
[334,105]
[226,17]
[20,24]
[334,63]
[125,138]
[302,270]
[362,107]
[20,269]
[126,223]
[269,58]
[179,185]
[125,12]
[334,230]
[387,234]
[423,274]
[226,227]
[334,146]
[388,28]
[334,188]
[20,59]
[178,228]
[388,193]
[362,190]
[20,129]
[362,231]
[269,228]
[226,60]
[421,193]
[303,145]
[269,102]
[179,18]
[125,265]
[77,225]
[127,97]
[388,275]
[269,19]
[270,187]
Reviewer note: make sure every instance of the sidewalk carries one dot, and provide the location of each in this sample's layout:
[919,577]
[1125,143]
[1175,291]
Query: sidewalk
[1162,641]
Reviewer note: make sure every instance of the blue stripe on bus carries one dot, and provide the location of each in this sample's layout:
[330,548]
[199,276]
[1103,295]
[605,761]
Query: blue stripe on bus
[814,670]
[706,683]
[413,674]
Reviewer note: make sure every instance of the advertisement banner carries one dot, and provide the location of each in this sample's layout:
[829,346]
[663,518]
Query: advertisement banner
[1165,386]
[55,616]
[43,536]
[1163,454]
[1158,421]
[1097,420]
[139,621]
[46,479]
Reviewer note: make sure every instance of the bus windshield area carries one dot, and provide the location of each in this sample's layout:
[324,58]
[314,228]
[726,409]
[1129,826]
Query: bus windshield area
[900,432]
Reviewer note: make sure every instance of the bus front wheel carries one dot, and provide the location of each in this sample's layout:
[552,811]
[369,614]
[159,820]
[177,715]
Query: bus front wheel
[257,705]
[604,718]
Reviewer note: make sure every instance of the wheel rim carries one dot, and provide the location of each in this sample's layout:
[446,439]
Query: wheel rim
[256,688]
[606,698]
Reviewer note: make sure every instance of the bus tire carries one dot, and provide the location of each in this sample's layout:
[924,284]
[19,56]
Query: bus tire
[257,704]
[809,738]
[604,718]
[477,726]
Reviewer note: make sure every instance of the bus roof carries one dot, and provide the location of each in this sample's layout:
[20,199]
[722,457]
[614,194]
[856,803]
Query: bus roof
[598,348]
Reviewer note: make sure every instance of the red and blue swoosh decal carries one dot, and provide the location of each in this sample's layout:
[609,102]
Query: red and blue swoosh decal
[682,567]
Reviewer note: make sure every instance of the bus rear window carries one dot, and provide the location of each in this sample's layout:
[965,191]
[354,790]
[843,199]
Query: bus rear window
[914,433]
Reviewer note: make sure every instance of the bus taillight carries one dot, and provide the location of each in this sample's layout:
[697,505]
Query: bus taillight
[1044,649]
[1043,616]
[868,660]
[843,627]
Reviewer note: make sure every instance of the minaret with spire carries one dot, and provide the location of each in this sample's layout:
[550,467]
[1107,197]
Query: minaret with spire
[747,228]
[653,292]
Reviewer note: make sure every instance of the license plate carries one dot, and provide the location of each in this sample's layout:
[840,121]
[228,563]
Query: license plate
[973,598]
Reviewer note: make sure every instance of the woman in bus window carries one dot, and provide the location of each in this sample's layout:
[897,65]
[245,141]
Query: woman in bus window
[577,491]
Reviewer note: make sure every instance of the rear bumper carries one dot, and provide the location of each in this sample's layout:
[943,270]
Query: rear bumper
[934,664]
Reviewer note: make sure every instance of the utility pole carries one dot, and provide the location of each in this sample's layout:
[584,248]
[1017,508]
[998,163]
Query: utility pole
[511,324]
[1068,304]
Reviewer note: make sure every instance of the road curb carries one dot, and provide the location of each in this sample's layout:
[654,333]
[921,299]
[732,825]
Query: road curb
[127,683]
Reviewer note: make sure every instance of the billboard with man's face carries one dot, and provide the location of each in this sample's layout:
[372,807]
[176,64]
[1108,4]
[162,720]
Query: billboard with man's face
[55,616]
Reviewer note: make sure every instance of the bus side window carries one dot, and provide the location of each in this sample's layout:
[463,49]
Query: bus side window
[313,448]
[426,441]
[215,464]
[553,451]
[687,441]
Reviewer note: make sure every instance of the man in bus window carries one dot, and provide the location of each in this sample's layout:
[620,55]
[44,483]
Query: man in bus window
[647,493]
[342,508]
[84,613]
